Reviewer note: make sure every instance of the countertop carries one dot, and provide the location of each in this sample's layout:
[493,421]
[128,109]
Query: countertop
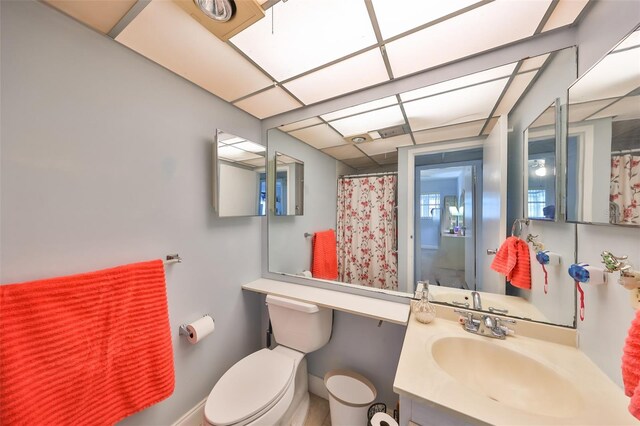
[420,378]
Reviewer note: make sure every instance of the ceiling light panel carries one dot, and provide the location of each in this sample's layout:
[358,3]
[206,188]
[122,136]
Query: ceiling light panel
[303,35]
[631,41]
[368,106]
[167,35]
[626,108]
[250,147]
[300,124]
[270,102]
[343,152]
[320,136]
[101,15]
[383,146]
[459,131]
[235,154]
[471,103]
[372,120]
[397,16]
[565,13]
[533,63]
[457,83]
[352,74]
[579,112]
[616,75]
[486,27]
[517,87]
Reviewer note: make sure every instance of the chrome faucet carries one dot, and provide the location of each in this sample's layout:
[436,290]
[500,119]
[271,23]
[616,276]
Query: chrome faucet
[477,303]
[486,326]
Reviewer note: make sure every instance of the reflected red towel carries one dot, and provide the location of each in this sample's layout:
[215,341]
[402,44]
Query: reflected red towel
[512,260]
[631,366]
[325,257]
[86,349]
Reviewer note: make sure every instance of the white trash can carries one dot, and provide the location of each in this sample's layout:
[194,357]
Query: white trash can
[350,395]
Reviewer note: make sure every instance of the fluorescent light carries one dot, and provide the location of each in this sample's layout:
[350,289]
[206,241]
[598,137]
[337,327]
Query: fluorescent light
[541,171]
[372,120]
[367,106]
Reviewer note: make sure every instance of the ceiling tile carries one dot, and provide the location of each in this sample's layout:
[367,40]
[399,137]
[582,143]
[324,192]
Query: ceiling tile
[300,124]
[295,37]
[625,108]
[471,103]
[343,152]
[517,87]
[386,158]
[360,162]
[258,162]
[367,106]
[320,136]
[459,131]
[484,28]
[579,112]
[101,15]
[251,146]
[268,103]
[457,83]
[397,16]
[533,63]
[382,146]
[166,34]
[490,126]
[547,118]
[234,154]
[352,74]
[367,121]
[564,14]
[616,75]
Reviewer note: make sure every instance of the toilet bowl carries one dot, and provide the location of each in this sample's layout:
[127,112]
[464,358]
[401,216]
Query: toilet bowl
[269,387]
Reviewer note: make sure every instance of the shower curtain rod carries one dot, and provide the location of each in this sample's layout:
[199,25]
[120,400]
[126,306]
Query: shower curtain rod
[369,175]
[626,151]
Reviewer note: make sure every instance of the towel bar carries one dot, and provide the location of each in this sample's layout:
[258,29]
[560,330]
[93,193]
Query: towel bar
[172,258]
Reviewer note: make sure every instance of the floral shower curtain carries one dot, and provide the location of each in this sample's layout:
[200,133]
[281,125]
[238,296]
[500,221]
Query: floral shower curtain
[625,189]
[367,238]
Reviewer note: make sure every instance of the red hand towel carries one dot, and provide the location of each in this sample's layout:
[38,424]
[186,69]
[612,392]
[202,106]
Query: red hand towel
[325,257]
[631,366]
[87,349]
[512,260]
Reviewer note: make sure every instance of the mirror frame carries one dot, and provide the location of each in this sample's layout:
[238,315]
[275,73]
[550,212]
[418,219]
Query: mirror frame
[560,165]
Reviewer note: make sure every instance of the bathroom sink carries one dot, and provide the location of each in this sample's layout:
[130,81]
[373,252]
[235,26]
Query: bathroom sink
[506,376]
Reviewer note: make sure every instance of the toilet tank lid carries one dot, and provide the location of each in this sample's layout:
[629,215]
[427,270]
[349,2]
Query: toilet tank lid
[254,384]
[295,305]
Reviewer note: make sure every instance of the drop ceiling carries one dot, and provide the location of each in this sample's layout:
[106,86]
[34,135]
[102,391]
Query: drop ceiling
[308,51]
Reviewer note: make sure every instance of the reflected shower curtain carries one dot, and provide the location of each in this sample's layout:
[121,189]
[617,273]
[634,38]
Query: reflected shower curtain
[366,231]
[625,189]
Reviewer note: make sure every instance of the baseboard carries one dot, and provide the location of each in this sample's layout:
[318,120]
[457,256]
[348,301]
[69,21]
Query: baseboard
[317,387]
[192,417]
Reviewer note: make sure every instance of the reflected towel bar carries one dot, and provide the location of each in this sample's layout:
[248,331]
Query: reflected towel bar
[308,235]
[172,258]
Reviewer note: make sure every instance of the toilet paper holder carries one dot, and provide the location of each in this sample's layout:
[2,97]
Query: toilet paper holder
[182,329]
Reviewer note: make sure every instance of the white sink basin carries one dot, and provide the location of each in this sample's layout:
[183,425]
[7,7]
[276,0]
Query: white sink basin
[506,376]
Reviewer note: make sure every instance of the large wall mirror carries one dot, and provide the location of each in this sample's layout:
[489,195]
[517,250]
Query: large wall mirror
[239,176]
[603,140]
[541,180]
[417,159]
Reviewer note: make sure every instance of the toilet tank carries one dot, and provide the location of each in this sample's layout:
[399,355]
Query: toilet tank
[302,326]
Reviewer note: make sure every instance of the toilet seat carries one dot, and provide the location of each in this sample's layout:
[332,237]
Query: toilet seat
[250,388]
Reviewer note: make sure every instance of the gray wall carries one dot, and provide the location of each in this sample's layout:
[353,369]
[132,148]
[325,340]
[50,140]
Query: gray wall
[105,161]
[289,250]
[608,311]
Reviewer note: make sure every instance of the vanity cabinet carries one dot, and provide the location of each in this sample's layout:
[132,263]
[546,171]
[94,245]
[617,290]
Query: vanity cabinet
[413,412]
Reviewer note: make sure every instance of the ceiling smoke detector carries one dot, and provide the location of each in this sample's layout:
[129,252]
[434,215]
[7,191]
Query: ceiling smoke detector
[389,132]
[365,137]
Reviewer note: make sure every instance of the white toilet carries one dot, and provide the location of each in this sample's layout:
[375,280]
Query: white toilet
[269,387]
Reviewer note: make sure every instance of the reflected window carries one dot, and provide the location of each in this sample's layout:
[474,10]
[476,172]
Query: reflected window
[430,205]
[537,201]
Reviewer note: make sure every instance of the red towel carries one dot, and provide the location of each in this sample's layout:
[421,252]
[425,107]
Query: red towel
[325,257]
[86,349]
[512,260]
[631,366]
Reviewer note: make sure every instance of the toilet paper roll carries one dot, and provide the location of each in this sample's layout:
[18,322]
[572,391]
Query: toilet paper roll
[200,329]
[383,419]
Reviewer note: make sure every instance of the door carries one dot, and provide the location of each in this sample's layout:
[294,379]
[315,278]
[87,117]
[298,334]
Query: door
[494,206]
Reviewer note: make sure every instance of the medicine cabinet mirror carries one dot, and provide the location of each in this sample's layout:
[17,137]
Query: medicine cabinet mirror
[541,177]
[603,140]
[288,186]
[239,176]
[415,196]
